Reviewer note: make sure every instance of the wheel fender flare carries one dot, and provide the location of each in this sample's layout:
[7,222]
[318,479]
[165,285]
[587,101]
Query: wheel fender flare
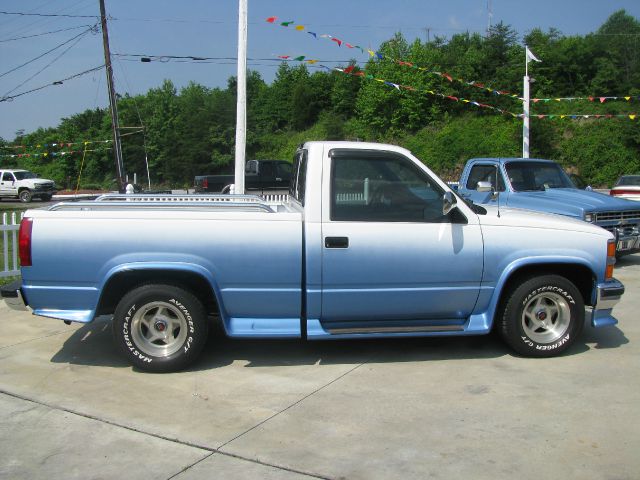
[189,268]
[483,321]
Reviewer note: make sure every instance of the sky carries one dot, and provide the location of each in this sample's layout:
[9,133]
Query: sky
[208,28]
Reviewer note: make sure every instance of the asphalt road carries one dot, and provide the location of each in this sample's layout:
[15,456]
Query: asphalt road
[9,202]
[447,408]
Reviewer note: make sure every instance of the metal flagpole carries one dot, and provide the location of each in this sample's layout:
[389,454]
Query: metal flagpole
[241,108]
[526,102]
[525,116]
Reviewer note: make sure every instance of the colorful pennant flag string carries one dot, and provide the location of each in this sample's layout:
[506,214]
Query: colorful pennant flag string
[447,76]
[450,78]
[626,98]
[380,56]
[55,145]
[351,71]
[578,116]
[52,154]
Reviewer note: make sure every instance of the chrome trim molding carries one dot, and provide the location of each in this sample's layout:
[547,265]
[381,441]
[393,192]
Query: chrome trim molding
[396,329]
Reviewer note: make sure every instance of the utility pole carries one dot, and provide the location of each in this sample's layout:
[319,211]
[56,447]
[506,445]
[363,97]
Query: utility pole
[241,106]
[117,148]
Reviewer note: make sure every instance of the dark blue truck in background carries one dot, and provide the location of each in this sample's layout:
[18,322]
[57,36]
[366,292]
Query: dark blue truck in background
[259,175]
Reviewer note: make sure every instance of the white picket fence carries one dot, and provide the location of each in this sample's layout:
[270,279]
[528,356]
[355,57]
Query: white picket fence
[9,228]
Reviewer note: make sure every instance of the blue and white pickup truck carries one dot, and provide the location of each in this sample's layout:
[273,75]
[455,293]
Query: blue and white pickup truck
[543,186]
[369,243]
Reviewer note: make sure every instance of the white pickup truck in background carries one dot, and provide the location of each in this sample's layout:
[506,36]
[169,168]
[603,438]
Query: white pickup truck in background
[25,186]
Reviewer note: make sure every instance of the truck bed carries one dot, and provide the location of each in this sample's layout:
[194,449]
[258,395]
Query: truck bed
[205,235]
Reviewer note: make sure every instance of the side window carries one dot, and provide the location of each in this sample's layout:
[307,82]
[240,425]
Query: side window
[284,170]
[267,169]
[7,177]
[485,173]
[299,176]
[379,188]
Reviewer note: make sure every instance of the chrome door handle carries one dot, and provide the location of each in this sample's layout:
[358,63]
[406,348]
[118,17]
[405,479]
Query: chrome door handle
[336,242]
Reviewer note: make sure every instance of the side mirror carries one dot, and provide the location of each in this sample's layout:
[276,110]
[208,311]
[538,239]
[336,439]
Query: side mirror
[484,187]
[251,167]
[449,202]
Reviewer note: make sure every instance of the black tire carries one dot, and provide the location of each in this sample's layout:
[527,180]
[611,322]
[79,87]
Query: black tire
[542,316]
[25,196]
[160,328]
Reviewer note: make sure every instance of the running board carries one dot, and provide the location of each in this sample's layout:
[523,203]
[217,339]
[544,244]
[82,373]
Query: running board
[348,328]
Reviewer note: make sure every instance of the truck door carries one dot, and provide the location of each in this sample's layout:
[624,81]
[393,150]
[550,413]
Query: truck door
[283,175]
[7,184]
[390,258]
[483,172]
[266,175]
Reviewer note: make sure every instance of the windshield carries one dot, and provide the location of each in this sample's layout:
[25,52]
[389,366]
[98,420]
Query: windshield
[630,180]
[530,176]
[24,175]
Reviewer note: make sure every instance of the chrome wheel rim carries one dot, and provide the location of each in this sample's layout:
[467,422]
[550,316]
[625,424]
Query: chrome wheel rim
[159,329]
[546,317]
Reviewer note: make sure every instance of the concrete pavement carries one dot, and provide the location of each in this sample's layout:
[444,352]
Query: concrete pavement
[70,407]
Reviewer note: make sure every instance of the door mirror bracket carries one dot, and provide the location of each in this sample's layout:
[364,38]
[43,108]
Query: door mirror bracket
[449,203]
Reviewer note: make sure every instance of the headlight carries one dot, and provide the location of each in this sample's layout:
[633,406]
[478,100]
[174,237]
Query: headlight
[589,217]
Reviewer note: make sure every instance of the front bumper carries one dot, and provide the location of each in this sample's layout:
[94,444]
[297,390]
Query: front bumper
[627,244]
[608,294]
[12,296]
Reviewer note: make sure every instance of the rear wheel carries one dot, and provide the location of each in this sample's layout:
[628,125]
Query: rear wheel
[160,328]
[543,316]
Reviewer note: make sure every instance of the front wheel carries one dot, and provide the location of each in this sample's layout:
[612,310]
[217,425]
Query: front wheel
[160,328]
[543,316]
[25,196]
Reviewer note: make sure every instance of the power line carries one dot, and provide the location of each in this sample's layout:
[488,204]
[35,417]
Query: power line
[44,33]
[40,22]
[36,8]
[48,64]
[222,22]
[57,82]
[47,52]
[24,14]
[252,63]
[145,58]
